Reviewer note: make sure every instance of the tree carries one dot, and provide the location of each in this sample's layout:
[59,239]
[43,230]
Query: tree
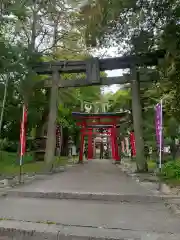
[141,26]
[35,31]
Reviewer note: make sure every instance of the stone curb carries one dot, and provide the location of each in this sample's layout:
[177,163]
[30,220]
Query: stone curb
[19,230]
[6,182]
[109,197]
[164,189]
[126,168]
[40,231]
[31,179]
[26,231]
[173,208]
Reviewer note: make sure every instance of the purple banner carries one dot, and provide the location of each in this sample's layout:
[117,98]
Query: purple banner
[158,122]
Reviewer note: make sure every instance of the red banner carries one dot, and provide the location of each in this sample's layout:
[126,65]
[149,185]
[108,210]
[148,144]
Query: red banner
[58,136]
[133,144]
[23,131]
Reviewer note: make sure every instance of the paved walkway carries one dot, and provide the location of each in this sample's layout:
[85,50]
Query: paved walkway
[95,176]
[125,219]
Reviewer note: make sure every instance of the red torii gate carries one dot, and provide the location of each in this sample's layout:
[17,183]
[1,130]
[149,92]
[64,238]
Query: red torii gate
[108,121]
[90,133]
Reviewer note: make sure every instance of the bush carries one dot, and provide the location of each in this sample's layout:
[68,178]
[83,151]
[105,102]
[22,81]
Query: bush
[11,147]
[3,144]
[171,170]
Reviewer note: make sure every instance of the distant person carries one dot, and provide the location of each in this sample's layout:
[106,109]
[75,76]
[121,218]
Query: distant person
[74,153]
[146,152]
[101,150]
[85,152]
[78,150]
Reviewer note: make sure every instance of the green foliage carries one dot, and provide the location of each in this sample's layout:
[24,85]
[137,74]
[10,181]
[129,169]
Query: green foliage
[120,100]
[136,27]
[171,170]
[9,163]
[102,18]
[26,37]
[25,32]
[8,158]
[151,165]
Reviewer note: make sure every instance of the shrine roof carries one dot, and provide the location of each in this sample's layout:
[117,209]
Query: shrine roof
[100,115]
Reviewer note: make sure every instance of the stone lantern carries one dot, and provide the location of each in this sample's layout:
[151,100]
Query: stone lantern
[70,144]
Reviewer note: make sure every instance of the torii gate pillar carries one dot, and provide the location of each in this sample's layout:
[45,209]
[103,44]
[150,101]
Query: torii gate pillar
[90,145]
[114,146]
[81,150]
[137,121]
[51,129]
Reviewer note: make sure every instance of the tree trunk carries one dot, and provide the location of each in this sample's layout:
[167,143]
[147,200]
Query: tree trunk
[173,148]
[60,147]
[137,122]
[3,104]
[33,28]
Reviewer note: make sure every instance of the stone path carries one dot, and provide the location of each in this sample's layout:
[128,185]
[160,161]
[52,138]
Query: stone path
[95,176]
[92,200]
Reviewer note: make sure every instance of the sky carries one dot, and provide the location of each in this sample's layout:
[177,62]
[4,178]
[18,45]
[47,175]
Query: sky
[110,52]
[113,88]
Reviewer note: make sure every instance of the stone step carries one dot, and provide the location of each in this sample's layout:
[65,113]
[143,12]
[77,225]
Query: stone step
[152,217]
[92,196]
[17,230]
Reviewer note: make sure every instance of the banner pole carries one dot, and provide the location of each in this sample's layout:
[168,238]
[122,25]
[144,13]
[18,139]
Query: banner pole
[22,141]
[160,140]
[20,169]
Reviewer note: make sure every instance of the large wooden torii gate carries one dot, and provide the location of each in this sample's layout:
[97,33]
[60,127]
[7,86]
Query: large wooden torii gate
[92,68]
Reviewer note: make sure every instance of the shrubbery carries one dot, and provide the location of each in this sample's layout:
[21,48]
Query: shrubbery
[171,170]
[12,146]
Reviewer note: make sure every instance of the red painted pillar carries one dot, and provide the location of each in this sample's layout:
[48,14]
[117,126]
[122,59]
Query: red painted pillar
[117,157]
[112,143]
[81,147]
[133,144]
[92,156]
[90,144]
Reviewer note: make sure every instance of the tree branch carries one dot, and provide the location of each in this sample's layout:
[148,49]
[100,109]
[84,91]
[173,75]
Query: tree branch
[42,38]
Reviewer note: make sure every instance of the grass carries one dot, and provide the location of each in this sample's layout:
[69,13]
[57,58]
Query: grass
[42,222]
[172,182]
[171,173]
[152,165]
[9,163]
